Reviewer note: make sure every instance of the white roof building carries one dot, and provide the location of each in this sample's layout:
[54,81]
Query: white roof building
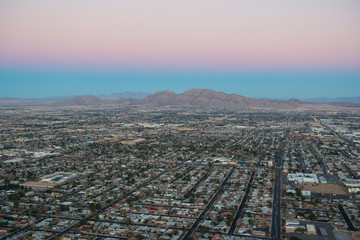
[303,178]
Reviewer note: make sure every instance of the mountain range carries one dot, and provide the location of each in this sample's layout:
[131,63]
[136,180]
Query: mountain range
[126,95]
[332,100]
[190,98]
[211,98]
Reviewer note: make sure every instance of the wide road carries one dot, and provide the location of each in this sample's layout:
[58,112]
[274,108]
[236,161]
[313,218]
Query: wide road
[183,174]
[24,229]
[276,209]
[346,218]
[301,160]
[200,180]
[350,171]
[198,220]
[243,201]
[317,157]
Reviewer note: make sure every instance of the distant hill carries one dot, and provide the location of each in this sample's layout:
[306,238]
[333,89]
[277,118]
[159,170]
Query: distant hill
[30,101]
[124,101]
[332,100]
[190,98]
[126,95]
[125,98]
[211,98]
[83,100]
[344,104]
[91,100]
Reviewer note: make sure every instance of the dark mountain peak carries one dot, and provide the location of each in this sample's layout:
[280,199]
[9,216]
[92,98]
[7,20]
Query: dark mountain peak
[165,92]
[159,98]
[199,91]
[196,98]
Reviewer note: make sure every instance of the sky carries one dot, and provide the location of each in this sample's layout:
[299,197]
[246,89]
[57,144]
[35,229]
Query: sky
[256,48]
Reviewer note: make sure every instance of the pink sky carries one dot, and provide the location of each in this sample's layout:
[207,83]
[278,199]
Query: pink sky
[197,33]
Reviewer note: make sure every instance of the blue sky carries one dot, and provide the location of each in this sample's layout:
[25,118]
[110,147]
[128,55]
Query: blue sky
[271,84]
[265,49]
